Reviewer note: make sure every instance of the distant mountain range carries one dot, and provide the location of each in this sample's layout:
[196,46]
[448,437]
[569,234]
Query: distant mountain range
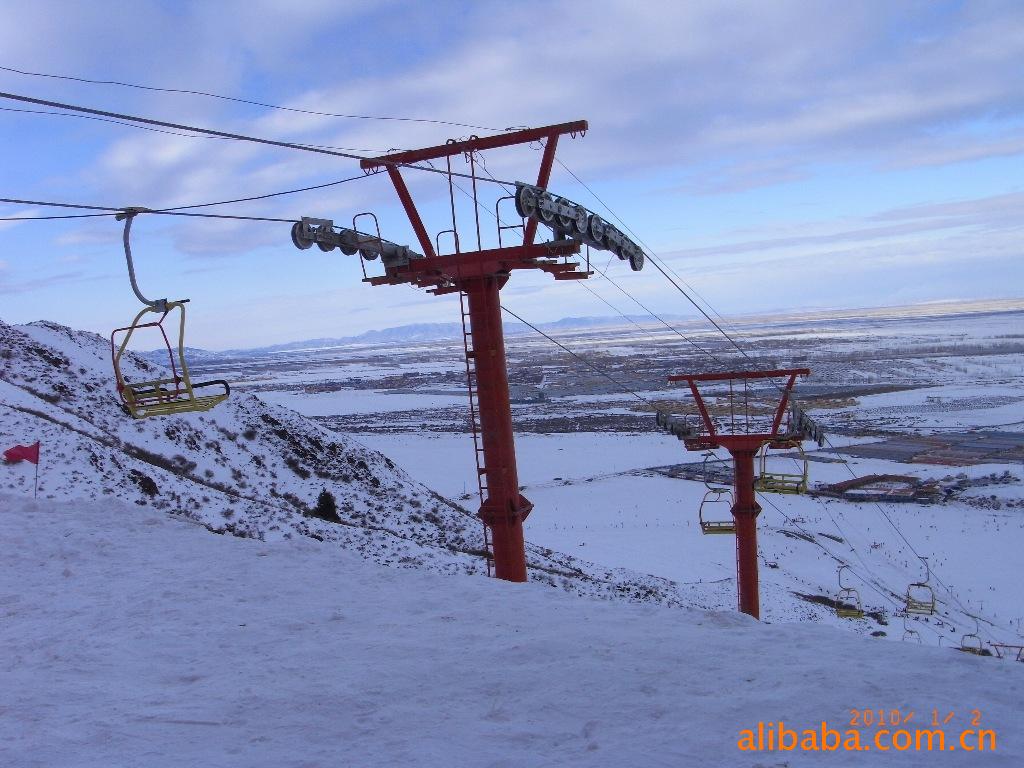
[420,332]
[415,332]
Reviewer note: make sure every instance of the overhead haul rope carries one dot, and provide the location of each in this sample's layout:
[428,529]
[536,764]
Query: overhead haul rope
[938,580]
[876,583]
[221,134]
[591,366]
[156,130]
[246,101]
[655,259]
[171,209]
[605,275]
[623,315]
[115,211]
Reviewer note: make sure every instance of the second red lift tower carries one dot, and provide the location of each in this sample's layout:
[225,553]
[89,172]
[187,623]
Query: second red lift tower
[742,439]
[478,276]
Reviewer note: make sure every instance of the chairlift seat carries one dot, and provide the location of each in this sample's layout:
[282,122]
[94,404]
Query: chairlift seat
[166,396]
[717,526]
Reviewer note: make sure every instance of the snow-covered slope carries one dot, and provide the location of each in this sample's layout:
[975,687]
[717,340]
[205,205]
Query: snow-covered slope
[246,468]
[134,639]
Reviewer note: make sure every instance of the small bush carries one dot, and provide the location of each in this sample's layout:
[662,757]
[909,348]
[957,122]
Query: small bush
[145,482]
[326,507]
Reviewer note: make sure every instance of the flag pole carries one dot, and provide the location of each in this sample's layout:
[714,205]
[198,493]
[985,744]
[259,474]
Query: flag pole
[35,488]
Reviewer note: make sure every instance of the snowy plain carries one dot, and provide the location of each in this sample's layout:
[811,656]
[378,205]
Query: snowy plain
[596,497]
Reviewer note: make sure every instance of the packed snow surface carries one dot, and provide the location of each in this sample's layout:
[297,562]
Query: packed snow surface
[132,638]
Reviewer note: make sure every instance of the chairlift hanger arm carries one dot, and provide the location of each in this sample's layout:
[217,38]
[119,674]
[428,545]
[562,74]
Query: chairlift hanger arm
[129,214]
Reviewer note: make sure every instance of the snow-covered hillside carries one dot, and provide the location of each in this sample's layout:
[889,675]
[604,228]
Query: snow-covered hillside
[131,638]
[246,468]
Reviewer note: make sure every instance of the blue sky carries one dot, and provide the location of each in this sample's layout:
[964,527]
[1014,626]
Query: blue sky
[784,155]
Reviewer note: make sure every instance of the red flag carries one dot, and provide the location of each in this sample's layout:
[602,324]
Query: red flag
[23,453]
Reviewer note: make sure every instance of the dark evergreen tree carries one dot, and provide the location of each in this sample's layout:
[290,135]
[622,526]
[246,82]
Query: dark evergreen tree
[326,507]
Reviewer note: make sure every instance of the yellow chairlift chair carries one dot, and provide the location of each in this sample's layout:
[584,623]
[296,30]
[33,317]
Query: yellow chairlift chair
[920,597]
[908,633]
[971,642]
[770,479]
[163,396]
[715,499]
[848,603]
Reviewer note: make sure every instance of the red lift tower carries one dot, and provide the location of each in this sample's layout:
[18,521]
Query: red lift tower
[478,276]
[740,437]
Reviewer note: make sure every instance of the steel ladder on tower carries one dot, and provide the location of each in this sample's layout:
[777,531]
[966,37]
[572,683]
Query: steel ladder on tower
[474,420]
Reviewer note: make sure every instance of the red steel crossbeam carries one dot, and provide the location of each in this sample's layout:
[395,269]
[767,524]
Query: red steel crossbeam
[410,211]
[543,177]
[481,274]
[743,448]
[394,160]
[459,266]
[473,144]
[693,378]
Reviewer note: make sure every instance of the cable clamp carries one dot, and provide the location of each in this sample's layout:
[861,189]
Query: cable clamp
[131,211]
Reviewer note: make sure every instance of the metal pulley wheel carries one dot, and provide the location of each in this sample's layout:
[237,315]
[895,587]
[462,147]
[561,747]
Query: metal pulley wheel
[348,243]
[636,260]
[596,228]
[526,201]
[579,220]
[565,220]
[544,212]
[297,239]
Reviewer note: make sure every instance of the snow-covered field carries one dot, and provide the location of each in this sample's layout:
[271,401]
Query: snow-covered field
[134,639]
[595,496]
